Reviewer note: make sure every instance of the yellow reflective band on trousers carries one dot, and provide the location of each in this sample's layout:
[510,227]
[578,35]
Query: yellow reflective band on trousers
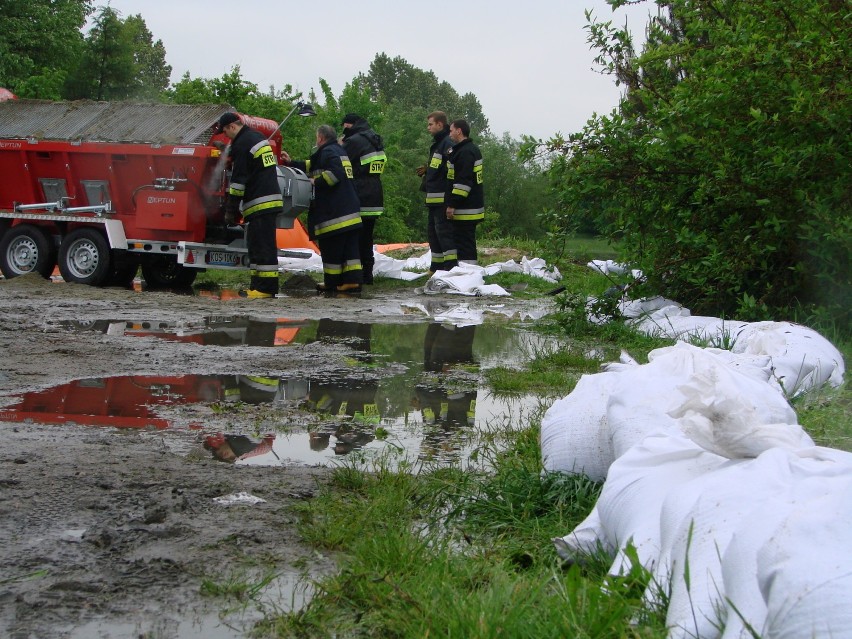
[466,215]
[371,211]
[446,256]
[337,223]
[350,266]
[332,269]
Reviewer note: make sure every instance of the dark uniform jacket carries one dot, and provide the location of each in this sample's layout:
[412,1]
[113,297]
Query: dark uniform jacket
[464,182]
[254,179]
[435,180]
[335,207]
[367,153]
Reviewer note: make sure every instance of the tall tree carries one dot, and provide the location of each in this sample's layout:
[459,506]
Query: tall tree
[394,80]
[40,44]
[726,169]
[151,73]
[120,61]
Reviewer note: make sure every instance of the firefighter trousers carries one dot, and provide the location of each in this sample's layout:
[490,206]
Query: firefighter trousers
[464,234]
[263,251]
[341,261]
[442,242]
[365,246]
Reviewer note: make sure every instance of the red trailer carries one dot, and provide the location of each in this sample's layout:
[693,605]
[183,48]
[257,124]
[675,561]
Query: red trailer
[101,188]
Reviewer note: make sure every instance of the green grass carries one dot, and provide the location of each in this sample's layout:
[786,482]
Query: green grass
[449,553]
[826,414]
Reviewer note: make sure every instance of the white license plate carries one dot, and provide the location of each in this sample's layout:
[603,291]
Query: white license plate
[223,259]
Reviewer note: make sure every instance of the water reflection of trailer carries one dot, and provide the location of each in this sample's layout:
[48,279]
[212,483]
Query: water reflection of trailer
[218,330]
[100,189]
[122,402]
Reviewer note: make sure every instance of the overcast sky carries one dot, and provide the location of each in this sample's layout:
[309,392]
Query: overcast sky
[527,62]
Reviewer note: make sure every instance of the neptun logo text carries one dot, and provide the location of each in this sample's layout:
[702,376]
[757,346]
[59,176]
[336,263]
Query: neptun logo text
[153,199]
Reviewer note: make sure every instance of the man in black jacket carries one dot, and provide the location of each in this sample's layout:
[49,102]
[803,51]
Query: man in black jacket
[367,154]
[254,184]
[334,218]
[439,231]
[465,200]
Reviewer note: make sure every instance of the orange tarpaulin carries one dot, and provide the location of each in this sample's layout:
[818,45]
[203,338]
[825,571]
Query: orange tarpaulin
[294,238]
[384,248]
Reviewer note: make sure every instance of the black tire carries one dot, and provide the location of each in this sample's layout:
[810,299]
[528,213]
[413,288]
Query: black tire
[124,270]
[85,257]
[163,271]
[26,248]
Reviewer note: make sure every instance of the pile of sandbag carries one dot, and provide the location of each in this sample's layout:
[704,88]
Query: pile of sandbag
[726,500]
[800,358]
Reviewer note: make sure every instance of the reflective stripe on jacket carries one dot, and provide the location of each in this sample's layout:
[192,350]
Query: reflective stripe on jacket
[464,182]
[366,150]
[254,179]
[335,208]
[435,180]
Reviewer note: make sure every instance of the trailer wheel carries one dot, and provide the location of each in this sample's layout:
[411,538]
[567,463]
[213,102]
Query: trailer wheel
[163,271]
[27,249]
[84,257]
[122,275]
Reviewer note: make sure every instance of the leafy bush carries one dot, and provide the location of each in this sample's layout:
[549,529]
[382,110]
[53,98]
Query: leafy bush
[726,169]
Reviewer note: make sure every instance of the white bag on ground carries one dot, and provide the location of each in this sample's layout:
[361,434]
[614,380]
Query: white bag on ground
[574,433]
[801,358]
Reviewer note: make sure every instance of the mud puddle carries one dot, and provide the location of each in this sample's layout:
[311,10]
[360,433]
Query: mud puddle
[407,393]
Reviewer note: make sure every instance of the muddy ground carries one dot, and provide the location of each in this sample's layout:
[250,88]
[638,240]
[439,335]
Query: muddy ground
[111,532]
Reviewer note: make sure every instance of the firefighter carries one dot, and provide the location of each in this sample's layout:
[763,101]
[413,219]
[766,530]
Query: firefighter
[334,218]
[254,188]
[439,230]
[464,196]
[367,153]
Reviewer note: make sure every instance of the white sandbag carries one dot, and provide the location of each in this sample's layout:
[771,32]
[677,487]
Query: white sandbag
[637,485]
[585,540]
[464,279]
[698,520]
[609,412]
[735,416]
[676,322]
[804,570]
[802,358]
[684,378]
[813,473]
[574,435]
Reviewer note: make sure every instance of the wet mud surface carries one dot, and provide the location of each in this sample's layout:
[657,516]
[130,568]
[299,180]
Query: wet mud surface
[112,532]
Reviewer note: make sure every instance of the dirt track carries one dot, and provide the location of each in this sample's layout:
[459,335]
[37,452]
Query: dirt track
[109,533]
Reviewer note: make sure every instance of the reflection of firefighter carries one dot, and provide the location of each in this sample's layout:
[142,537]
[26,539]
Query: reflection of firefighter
[445,411]
[234,448]
[446,345]
[257,389]
[355,335]
[351,398]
